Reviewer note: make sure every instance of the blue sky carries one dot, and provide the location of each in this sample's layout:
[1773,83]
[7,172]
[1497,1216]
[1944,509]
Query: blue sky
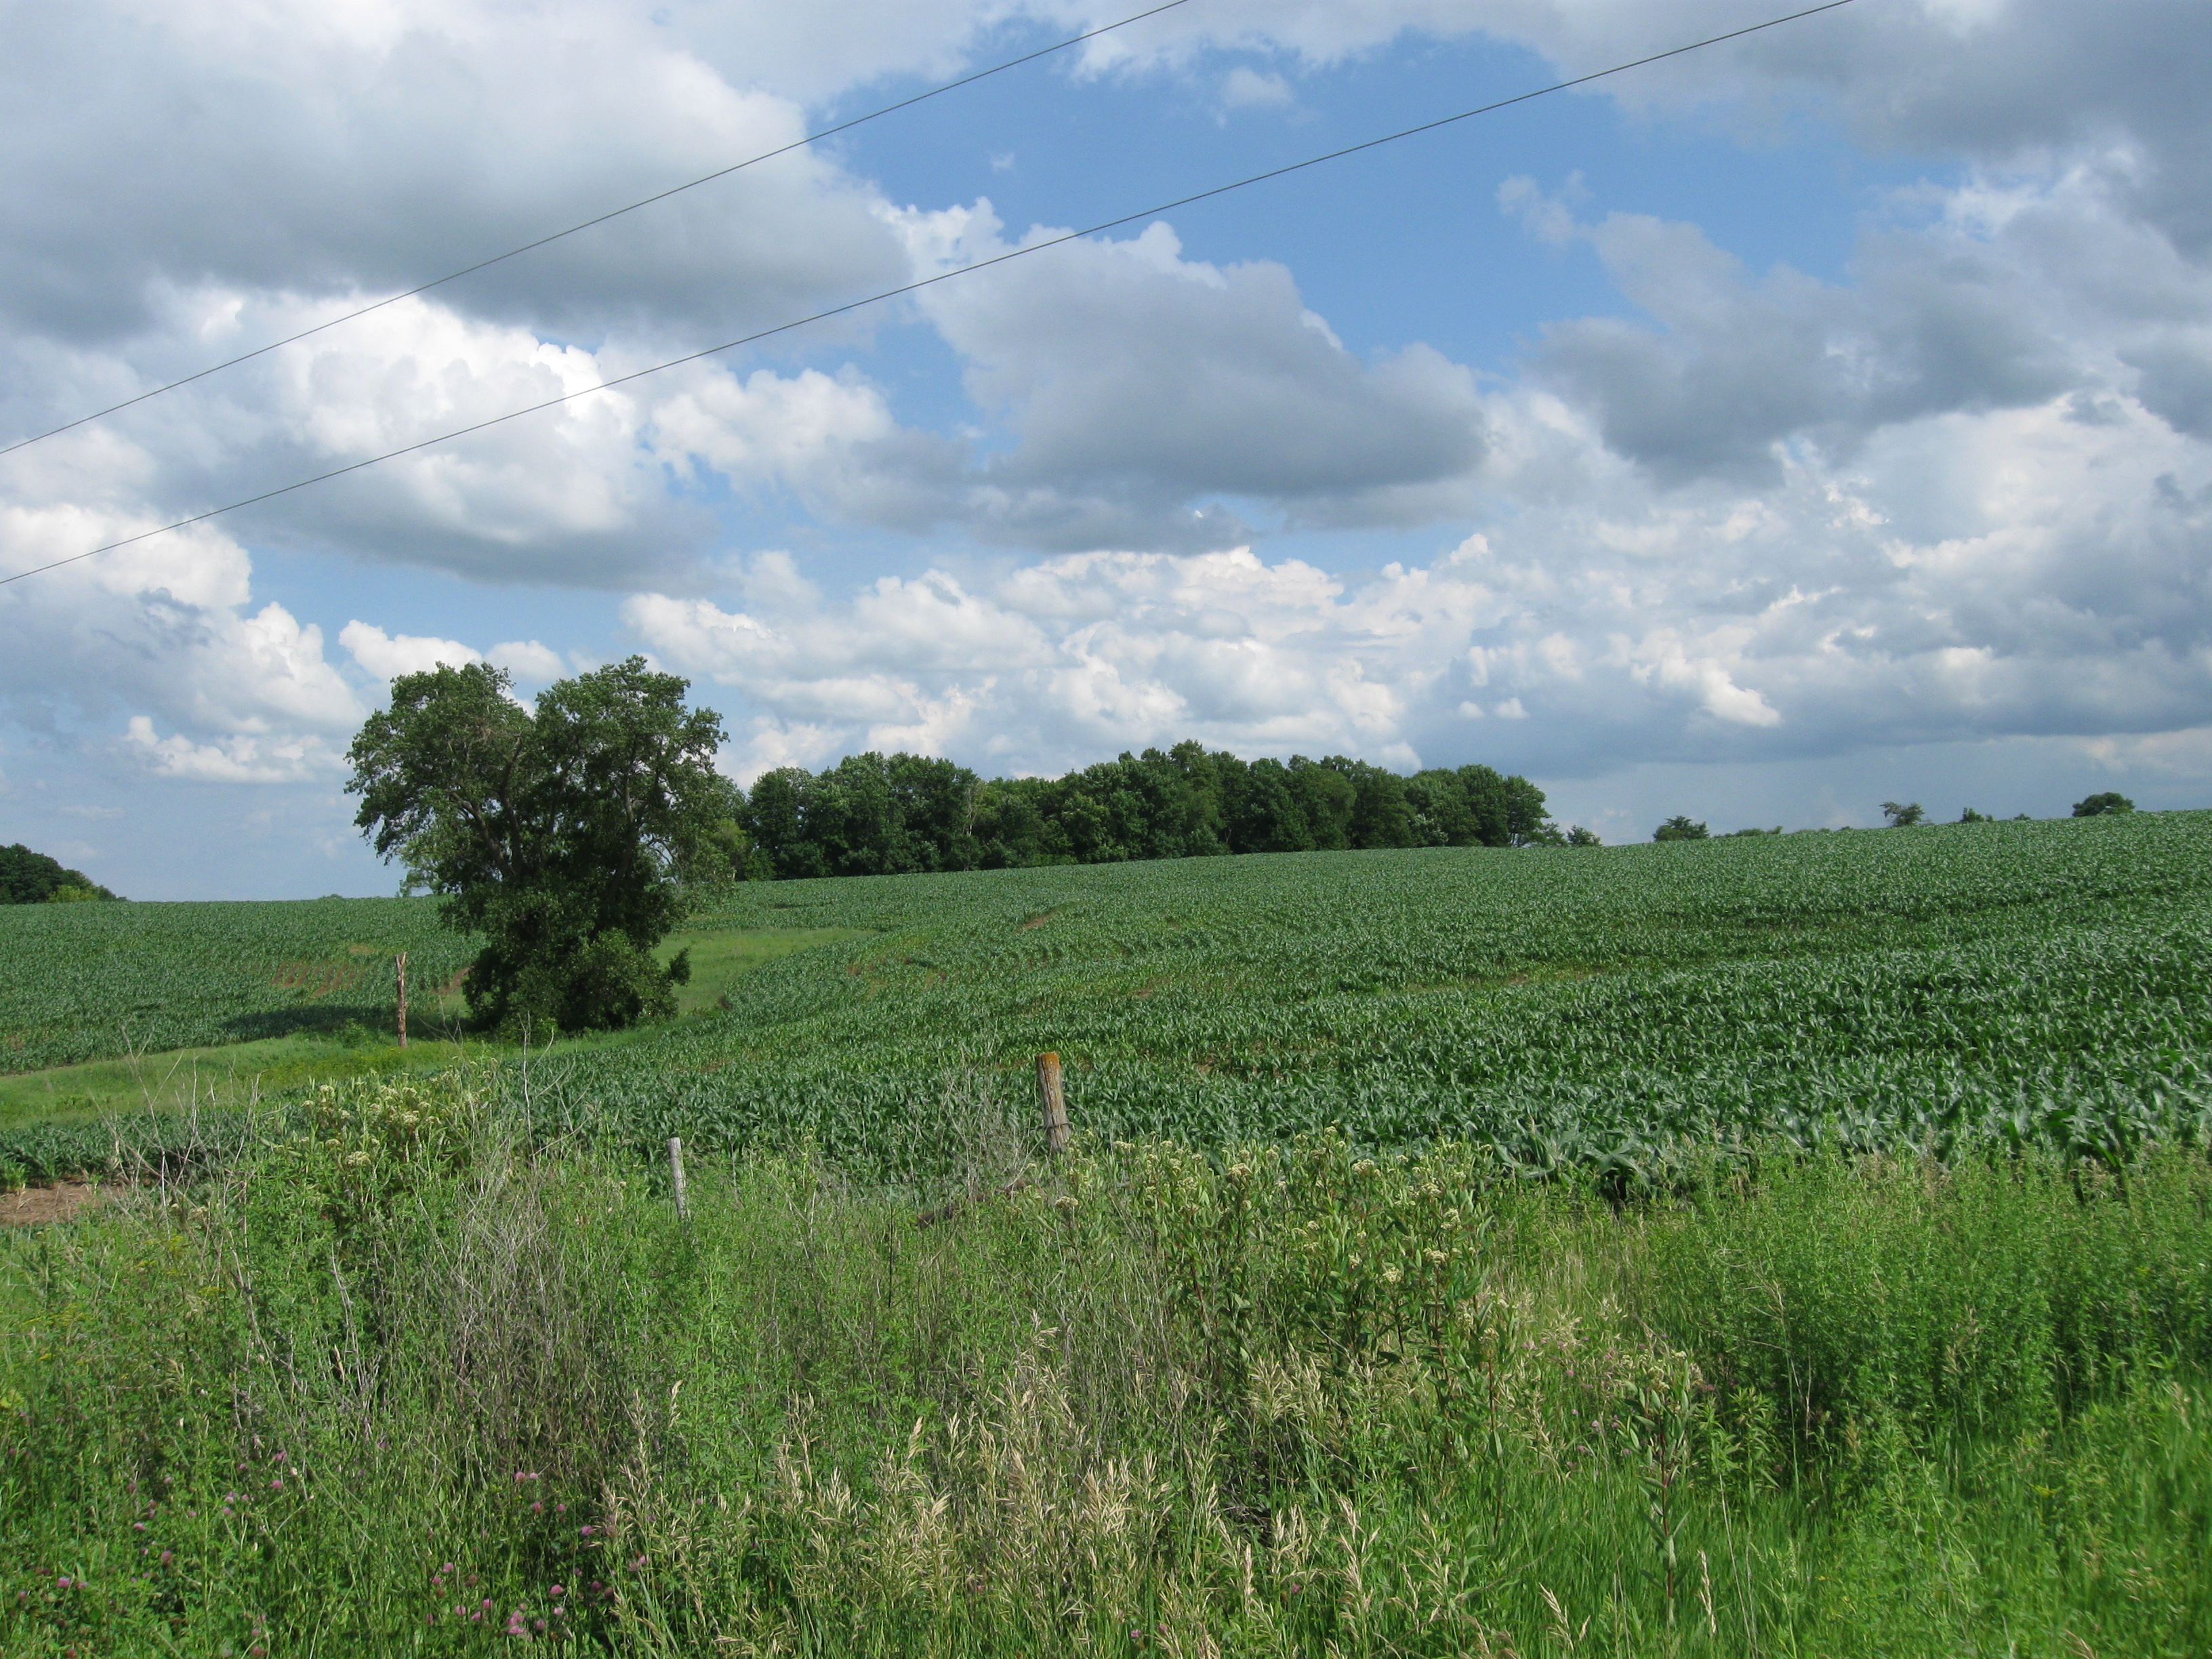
[1819,421]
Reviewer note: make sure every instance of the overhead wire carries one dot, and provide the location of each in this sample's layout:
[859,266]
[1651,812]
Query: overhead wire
[1022,252]
[601,219]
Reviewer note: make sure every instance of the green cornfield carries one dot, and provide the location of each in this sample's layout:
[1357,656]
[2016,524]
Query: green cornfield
[86,981]
[1616,1009]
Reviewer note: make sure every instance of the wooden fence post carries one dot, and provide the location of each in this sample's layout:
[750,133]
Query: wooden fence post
[1052,1104]
[399,967]
[676,1169]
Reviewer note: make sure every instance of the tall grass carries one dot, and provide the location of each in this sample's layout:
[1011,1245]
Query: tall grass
[399,1382]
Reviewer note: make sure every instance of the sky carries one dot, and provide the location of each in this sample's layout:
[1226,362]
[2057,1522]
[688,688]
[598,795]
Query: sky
[1816,420]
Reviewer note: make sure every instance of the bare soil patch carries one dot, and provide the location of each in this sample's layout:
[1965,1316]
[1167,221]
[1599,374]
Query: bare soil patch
[35,1205]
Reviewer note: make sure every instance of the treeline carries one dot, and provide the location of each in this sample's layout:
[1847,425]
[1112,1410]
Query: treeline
[895,814]
[1897,815]
[28,877]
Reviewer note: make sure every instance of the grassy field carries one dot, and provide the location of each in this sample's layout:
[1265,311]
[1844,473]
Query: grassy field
[1794,1245]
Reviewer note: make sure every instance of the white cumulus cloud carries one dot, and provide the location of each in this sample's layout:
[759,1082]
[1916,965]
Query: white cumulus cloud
[231,759]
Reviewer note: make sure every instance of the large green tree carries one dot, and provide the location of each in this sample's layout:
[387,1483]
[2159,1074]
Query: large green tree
[562,835]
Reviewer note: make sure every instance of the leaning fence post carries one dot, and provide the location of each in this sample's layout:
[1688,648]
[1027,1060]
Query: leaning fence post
[676,1169]
[399,969]
[1052,1104]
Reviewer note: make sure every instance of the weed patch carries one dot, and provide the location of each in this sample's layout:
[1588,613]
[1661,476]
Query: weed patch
[402,1379]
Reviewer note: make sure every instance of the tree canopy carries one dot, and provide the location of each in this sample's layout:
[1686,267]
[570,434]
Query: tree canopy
[2096,807]
[560,833]
[28,877]
[1681,827]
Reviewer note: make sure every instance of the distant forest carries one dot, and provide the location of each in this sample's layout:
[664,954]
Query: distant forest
[884,815]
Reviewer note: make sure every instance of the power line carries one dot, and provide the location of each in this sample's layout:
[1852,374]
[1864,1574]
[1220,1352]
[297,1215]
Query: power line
[662,196]
[928,282]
